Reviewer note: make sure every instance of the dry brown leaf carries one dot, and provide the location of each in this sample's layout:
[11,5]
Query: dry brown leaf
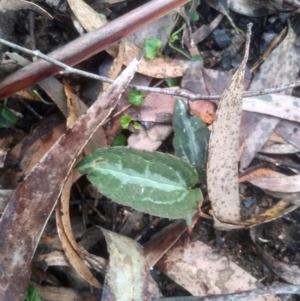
[67,239]
[202,271]
[286,184]
[51,293]
[90,20]
[20,228]
[279,149]
[158,67]
[282,106]
[31,149]
[280,68]
[261,173]
[222,167]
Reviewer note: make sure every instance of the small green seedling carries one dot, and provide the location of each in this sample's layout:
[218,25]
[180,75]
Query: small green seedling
[151,47]
[151,182]
[126,121]
[135,97]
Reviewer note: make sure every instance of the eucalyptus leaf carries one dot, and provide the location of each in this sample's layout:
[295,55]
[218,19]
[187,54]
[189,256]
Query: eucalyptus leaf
[191,138]
[152,182]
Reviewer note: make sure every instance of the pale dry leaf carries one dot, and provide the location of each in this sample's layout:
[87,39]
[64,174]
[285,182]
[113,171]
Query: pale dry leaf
[54,258]
[127,276]
[279,149]
[202,271]
[277,105]
[280,68]
[222,167]
[158,67]
[286,184]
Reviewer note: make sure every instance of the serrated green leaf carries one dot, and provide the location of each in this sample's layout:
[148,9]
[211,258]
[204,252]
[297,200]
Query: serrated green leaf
[32,294]
[136,97]
[152,182]
[125,121]
[191,138]
[151,47]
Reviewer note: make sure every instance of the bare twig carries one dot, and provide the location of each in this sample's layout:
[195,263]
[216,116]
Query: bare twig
[188,95]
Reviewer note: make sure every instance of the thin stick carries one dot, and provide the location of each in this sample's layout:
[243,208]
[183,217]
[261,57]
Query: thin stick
[190,96]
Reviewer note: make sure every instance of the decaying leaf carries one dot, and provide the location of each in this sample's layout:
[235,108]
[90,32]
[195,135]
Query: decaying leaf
[202,271]
[39,192]
[222,167]
[152,182]
[280,68]
[127,277]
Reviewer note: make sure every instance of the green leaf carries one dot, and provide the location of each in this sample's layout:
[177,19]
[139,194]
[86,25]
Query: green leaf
[120,140]
[152,182]
[191,138]
[151,47]
[136,125]
[9,116]
[125,121]
[32,294]
[172,82]
[195,17]
[197,57]
[136,97]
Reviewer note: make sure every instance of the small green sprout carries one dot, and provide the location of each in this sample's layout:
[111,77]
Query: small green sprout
[151,47]
[135,97]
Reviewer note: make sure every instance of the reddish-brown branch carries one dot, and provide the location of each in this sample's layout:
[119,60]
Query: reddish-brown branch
[88,45]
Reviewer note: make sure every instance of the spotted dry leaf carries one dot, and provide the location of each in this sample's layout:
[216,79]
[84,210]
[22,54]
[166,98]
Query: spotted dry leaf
[222,167]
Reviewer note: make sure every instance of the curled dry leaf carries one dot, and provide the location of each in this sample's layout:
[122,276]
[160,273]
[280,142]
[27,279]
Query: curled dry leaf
[223,157]
[133,281]
[288,184]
